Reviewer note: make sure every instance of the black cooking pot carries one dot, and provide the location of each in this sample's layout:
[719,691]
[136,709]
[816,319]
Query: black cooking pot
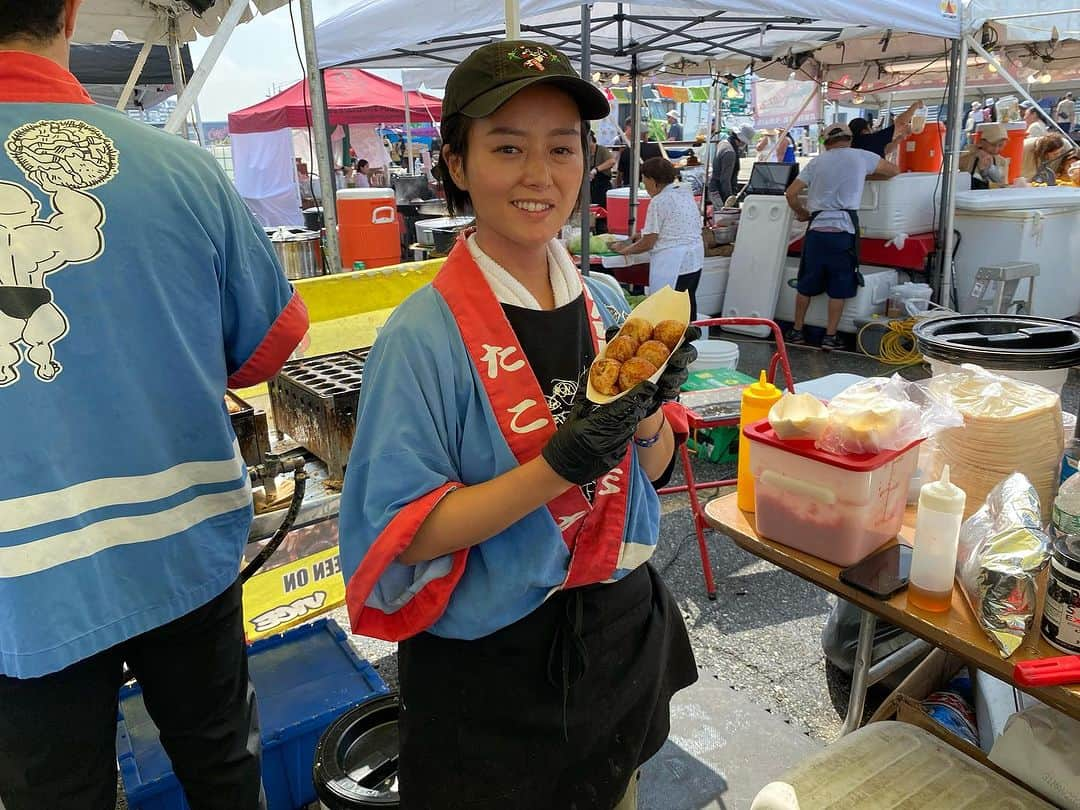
[356,760]
[1002,342]
[444,238]
[313,218]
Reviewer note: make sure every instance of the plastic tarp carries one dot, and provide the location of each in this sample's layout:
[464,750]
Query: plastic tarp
[264,172]
[394,36]
[142,20]
[353,97]
[103,69]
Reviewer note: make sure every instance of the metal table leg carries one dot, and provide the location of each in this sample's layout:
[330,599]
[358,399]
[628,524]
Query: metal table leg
[700,524]
[860,675]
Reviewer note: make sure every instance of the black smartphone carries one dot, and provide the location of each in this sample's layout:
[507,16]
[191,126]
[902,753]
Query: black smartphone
[881,574]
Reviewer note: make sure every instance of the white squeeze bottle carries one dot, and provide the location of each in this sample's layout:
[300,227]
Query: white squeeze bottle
[937,536]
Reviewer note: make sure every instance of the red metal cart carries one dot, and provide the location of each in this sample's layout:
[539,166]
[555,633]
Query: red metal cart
[696,422]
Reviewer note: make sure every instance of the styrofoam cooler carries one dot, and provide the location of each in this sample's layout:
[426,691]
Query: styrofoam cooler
[368,227]
[906,204]
[618,210]
[1040,225]
[869,300]
[838,508]
[758,261]
[713,285]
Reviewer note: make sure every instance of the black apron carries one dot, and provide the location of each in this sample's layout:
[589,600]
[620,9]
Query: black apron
[558,710]
[856,247]
[977,183]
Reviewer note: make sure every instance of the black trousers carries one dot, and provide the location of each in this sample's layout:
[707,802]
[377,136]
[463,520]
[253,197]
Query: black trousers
[689,282]
[58,732]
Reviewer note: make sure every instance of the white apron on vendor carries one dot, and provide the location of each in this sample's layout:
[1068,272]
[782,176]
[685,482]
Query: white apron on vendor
[679,251]
[478,377]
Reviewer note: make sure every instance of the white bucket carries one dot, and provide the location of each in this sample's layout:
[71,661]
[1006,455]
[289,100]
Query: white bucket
[715,354]
[1054,378]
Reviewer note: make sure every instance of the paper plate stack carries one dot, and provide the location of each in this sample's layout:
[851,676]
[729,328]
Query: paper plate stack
[1009,426]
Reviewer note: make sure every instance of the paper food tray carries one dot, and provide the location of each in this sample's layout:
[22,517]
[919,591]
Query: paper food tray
[663,305]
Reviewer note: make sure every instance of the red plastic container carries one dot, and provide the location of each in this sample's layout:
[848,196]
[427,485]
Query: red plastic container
[1014,148]
[838,508]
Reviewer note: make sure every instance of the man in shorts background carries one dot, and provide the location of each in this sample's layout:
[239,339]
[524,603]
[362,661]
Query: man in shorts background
[834,183]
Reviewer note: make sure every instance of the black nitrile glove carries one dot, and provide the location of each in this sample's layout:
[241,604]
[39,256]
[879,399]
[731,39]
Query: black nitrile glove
[594,438]
[674,376]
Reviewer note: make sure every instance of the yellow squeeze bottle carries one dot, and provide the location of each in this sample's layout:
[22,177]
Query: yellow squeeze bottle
[757,401]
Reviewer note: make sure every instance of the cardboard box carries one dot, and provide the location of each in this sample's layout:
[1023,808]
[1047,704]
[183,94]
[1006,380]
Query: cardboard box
[905,705]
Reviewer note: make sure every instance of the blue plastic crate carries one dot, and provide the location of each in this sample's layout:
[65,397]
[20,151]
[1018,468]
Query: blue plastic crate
[304,679]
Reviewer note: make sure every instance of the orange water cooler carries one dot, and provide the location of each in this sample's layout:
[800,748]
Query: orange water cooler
[368,227]
[1014,148]
[924,151]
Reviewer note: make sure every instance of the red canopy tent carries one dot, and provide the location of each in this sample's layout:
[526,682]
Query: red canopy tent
[353,96]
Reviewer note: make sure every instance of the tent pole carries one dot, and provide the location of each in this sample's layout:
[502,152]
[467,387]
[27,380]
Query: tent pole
[513,19]
[713,100]
[321,129]
[136,72]
[408,134]
[957,83]
[179,80]
[586,190]
[206,64]
[635,145]
[1004,73]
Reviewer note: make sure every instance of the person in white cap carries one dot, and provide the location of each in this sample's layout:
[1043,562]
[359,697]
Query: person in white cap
[725,168]
[830,255]
[674,128]
[983,160]
[1066,110]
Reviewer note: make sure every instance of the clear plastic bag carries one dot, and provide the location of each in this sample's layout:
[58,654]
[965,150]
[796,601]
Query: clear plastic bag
[1003,549]
[882,413]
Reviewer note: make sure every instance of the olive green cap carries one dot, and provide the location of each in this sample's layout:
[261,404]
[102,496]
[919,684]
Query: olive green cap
[491,75]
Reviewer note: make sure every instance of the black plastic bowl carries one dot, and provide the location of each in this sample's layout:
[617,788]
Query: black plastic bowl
[1006,342]
[356,759]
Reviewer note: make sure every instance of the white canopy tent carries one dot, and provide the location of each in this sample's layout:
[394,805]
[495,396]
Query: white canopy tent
[753,29]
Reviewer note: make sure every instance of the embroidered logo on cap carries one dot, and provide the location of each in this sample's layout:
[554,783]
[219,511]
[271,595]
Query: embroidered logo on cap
[533,58]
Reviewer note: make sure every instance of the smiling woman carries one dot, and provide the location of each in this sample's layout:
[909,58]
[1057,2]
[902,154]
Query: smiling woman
[493,521]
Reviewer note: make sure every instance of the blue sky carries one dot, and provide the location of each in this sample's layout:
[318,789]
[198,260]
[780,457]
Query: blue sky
[259,56]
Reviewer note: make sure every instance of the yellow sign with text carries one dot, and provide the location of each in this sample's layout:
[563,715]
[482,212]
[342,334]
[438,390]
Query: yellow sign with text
[292,594]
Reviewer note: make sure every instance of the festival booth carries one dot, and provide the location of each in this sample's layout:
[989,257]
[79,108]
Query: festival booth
[268,137]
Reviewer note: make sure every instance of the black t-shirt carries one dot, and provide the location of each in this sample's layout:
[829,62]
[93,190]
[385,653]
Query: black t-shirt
[649,149]
[558,345]
[559,349]
[876,142]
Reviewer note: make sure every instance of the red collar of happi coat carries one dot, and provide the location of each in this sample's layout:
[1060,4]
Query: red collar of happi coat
[27,77]
[592,531]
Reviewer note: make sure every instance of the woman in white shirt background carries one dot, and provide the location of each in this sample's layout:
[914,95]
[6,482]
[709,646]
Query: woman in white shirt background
[671,234]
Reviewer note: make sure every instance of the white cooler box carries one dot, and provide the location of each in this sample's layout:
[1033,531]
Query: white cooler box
[869,300]
[906,204]
[1040,225]
[713,285]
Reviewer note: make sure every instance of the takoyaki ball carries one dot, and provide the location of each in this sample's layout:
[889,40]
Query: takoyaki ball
[635,370]
[621,348]
[669,333]
[637,328]
[655,352]
[604,375]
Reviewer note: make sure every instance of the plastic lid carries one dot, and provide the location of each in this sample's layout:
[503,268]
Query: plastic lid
[365,194]
[942,495]
[762,432]
[762,390]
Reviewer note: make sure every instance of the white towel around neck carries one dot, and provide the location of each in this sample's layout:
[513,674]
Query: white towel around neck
[565,278]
